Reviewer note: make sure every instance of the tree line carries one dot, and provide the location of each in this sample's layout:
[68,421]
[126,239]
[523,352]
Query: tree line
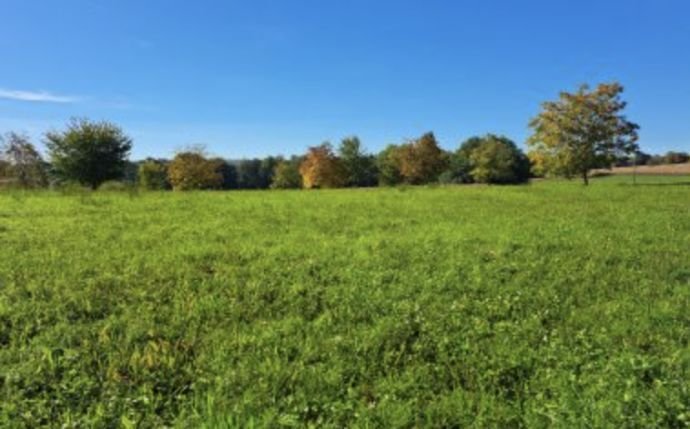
[572,135]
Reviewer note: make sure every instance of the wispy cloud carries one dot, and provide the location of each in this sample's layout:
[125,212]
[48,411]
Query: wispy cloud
[37,96]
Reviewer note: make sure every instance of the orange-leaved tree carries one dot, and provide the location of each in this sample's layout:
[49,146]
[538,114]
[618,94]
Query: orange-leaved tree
[321,168]
[422,160]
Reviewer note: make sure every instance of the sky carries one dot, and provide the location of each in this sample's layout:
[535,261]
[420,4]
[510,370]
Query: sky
[256,78]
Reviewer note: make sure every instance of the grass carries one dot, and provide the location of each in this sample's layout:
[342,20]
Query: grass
[548,305]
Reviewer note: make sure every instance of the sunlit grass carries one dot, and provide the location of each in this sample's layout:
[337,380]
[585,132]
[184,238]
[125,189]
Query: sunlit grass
[544,305]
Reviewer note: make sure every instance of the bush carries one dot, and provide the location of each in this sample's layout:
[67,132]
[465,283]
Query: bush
[153,175]
[114,186]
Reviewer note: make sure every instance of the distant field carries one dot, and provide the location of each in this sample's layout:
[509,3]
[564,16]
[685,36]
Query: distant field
[652,169]
[546,305]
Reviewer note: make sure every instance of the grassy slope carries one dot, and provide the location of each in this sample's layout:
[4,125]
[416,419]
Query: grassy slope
[543,305]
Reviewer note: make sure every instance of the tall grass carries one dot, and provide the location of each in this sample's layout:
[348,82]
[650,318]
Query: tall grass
[548,305]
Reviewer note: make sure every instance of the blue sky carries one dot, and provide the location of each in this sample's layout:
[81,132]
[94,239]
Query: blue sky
[260,77]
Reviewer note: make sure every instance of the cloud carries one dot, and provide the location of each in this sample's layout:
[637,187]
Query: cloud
[37,96]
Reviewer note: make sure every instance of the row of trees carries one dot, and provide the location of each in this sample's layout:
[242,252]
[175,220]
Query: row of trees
[488,159]
[91,153]
[572,135]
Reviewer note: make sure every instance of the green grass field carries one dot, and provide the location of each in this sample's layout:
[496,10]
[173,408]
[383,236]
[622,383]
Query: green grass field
[547,305]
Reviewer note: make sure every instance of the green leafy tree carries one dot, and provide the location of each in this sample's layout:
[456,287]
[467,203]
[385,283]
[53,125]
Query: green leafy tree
[153,175]
[388,164]
[583,130]
[457,170]
[286,174]
[267,170]
[360,167]
[229,173]
[496,159]
[23,165]
[249,174]
[89,152]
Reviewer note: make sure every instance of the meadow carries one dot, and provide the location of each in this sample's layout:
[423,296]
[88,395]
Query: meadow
[544,305]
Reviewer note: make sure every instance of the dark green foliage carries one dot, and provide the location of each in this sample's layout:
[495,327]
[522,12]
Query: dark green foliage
[360,167]
[256,173]
[89,152]
[540,306]
[229,173]
[458,169]
[496,159]
[388,166]
[286,174]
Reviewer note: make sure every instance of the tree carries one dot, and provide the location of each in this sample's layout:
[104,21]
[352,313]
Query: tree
[496,159]
[89,152]
[388,164]
[584,130]
[672,157]
[267,170]
[249,174]
[228,172]
[153,175]
[286,174]
[321,168]
[422,160]
[360,168]
[23,165]
[191,170]
[457,169]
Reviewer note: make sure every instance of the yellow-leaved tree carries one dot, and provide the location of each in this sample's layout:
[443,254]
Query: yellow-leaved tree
[191,170]
[321,168]
[583,130]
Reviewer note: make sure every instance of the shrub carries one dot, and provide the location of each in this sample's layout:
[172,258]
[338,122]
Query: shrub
[153,175]
[113,186]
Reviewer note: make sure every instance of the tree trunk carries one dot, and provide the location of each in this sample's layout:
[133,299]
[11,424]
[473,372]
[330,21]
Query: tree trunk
[585,177]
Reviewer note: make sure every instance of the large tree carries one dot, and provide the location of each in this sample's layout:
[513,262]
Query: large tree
[583,130]
[23,165]
[89,152]
[360,167]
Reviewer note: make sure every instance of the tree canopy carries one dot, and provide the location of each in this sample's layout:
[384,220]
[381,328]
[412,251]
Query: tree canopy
[321,168]
[89,152]
[360,167]
[497,159]
[192,170]
[583,130]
